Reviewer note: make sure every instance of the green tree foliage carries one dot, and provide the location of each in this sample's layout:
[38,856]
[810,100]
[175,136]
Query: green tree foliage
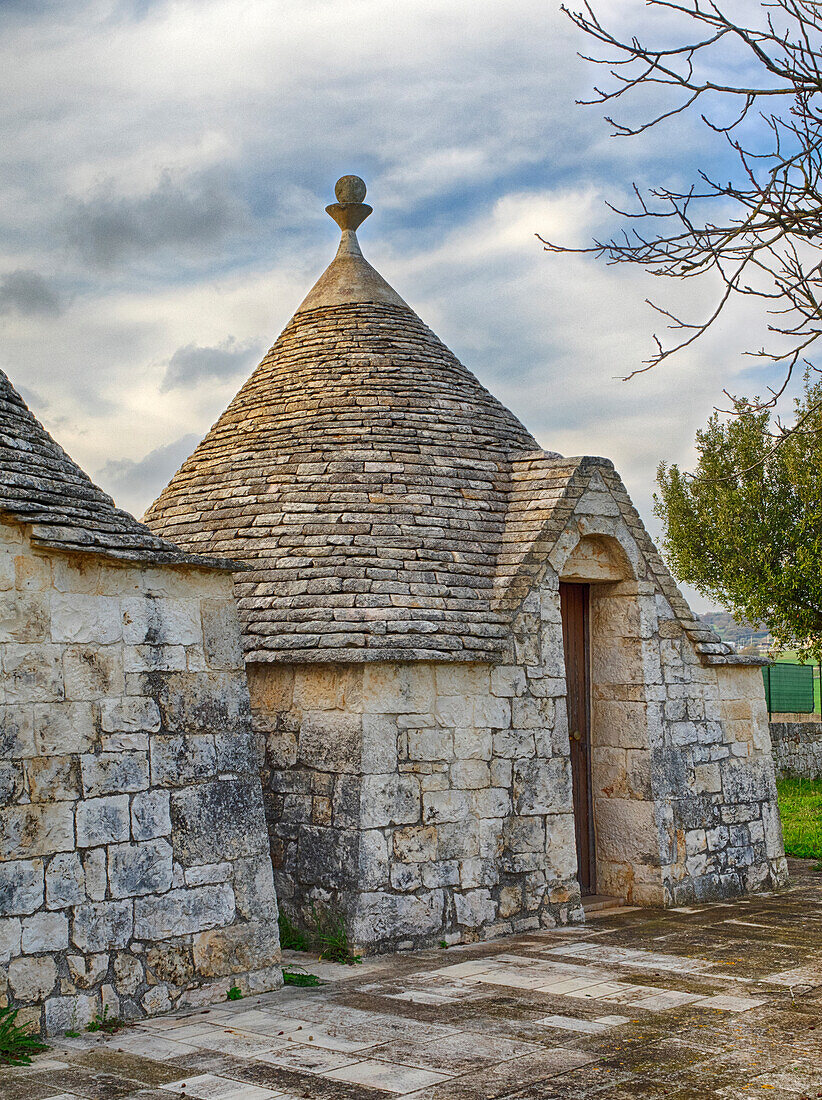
[745,529]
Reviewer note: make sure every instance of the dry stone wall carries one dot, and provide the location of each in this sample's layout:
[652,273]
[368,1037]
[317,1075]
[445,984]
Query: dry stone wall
[797,749]
[134,867]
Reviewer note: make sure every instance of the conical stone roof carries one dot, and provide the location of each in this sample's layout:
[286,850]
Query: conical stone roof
[363,472]
[42,487]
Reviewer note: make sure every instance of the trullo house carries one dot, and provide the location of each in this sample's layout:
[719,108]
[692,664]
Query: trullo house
[482,696]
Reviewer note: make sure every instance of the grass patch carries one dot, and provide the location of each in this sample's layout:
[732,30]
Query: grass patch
[800,808]
[327,937]
[18,1045]
[106,1023]
[234,994]
[291,938]
[331,939]
[295,977]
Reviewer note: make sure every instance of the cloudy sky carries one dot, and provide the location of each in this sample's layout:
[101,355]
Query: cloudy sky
[164,169]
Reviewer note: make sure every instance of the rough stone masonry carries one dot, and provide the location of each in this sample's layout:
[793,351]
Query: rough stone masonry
[134,866]
[406,540]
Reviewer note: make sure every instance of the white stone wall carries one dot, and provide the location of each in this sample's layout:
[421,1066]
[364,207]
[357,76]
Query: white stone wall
[134,869]
[797,748]
[423,801]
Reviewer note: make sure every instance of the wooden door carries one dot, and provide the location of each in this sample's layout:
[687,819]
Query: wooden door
[574,603]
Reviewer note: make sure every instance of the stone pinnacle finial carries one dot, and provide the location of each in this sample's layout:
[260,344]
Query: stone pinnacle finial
[349,211]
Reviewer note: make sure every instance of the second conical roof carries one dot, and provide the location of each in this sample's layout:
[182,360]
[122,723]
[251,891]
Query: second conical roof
[364,472]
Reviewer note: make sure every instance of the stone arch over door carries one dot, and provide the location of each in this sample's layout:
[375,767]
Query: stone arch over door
[623,669]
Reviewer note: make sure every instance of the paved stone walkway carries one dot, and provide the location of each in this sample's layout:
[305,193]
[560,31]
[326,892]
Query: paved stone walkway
[720,1000]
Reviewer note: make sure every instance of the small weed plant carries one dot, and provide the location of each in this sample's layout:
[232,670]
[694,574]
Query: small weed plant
[234,994]
[331,938]
[104,1022]
[800,808]
[291,938]
[18,1045]
[299,977]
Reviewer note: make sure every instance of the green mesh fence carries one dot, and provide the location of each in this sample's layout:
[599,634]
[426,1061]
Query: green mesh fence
[789,688]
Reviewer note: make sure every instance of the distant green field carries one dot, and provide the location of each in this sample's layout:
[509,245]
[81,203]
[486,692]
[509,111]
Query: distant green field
[800,808]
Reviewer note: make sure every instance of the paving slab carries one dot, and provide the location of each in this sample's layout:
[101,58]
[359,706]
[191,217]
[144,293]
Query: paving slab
[713,1002]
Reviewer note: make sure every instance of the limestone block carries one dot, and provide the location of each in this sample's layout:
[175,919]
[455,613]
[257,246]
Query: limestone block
[197,702]
[21,887]
[128,973]
[77,617]
[24,617]
[225,816]
[462,679]
[374,865]
[458,840]
[472,744]
[17,732]
[208,873]
[454,710]
[507,681]
[345,805]
[492,713]
[398,689]
[183,912]
[139,868]
[501,771]
[524,834]
[381,916]
[38,829]
[474,908]
[330,741]
[415,844]
[708,778]
[12,781]
[510,901]
[470,775]
[560,847]
[405,876]
[328,688]
[129,715]
[180,759]
[32,673]
[154,658]
[440,806]
[114,772]
[32,979]
[390,800]
[70,1013]
[221,633]
[532,713]
[430,744]
[541,786]
[616,660]
[101,926]
[379,744]
[773,830]
[441,874]
[62,728]
[626,831]
[160,621]
[9,939]
[236,950]
[515,744]
[87,971]
[45,932]
[478,872]
[271,687]
[494,802]
[93,671]
[53,778]
[254,894]
[102,821]
[150,815]
[65,881]
[94,871]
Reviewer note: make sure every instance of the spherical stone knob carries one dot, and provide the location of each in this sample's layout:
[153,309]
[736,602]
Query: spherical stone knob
[350,189]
